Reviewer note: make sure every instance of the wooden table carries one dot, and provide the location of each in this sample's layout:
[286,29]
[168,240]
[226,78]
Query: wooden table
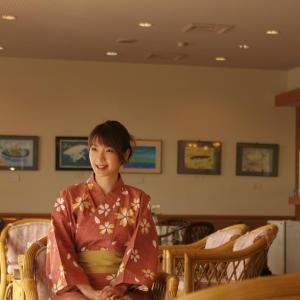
[282,287]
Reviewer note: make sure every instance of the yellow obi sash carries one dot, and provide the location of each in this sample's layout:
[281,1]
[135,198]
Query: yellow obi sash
[100,261]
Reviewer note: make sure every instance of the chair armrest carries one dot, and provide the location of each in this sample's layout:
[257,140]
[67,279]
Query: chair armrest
[26,264]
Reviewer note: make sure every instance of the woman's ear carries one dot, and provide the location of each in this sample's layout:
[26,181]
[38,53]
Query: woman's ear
[126,155]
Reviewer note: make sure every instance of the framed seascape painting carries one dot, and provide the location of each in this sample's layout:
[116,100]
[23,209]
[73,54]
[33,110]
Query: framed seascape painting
[18,152]
[72,153]
[146,158]
[199,157]
[253,159]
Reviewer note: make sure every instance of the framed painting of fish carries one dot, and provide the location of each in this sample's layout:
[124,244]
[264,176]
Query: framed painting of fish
[145,158]
[72,153]
[199,157]
[255,159]
[18,152]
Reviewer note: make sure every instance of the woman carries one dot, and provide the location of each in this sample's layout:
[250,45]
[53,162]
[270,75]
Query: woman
[103,242]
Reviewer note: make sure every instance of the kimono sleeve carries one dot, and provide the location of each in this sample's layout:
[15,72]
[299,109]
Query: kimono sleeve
[61,262]
[140,261]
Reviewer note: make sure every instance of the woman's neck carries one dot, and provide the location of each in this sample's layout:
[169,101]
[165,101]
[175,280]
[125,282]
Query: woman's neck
[107,182]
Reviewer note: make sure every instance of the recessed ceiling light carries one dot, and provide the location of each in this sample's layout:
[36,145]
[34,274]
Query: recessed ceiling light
[111,53]
[145,24]
[272,32]
[8,17]
[12,168]
[244,46]
[220,58]
[1,48]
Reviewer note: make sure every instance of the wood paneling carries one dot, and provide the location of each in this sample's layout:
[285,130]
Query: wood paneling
[219,221]
[291,98]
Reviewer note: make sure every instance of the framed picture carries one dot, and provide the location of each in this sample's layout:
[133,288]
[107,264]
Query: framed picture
[18,152]
[199,157]
[146,158]
[72,153]
[257,159]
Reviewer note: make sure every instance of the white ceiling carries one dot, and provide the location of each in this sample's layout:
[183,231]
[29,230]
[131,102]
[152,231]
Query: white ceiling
[87,29]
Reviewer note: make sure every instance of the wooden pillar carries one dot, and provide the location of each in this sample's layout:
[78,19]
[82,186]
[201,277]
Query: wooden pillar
[297,149]
[292,98]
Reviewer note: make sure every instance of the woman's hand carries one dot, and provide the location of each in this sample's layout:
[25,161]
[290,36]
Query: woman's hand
[89,292]
[112,292]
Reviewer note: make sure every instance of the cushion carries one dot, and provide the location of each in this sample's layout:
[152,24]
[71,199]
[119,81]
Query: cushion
[19,239]
[221,237]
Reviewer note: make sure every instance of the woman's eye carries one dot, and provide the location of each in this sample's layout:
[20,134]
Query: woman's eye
[110,150]
[93,148]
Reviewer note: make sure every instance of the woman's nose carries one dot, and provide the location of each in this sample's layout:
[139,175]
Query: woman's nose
[101,156]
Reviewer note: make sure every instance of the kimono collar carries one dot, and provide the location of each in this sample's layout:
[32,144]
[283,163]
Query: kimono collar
[95,189]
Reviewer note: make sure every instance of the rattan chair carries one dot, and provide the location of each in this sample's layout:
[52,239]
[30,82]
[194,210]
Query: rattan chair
[34,281]
[283,287]
[243,259]
[173,256]
[15,239]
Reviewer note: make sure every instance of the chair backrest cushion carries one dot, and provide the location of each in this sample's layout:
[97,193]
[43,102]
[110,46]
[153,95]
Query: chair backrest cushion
[19,239]
[221,237]
[249,238]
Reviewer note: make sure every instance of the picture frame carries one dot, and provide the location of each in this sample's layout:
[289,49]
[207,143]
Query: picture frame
[72,153]
[18,152]
[146,158]
[199,157]
[255,159]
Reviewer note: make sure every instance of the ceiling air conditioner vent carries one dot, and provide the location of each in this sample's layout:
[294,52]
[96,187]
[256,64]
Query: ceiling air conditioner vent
[166,56]
[126,41]
[212,28]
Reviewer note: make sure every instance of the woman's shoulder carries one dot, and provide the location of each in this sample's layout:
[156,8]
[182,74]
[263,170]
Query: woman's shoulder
[75,189]
[136,192]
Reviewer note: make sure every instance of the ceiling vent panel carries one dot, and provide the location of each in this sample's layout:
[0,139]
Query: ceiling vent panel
[211,28]
[166,56]
[126,41]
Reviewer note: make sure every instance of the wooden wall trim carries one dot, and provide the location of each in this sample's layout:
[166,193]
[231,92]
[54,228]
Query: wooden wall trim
[291,98]
[219,221]
[297,146]
[10,217]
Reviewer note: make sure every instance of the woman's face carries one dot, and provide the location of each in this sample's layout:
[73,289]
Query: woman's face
[104,160]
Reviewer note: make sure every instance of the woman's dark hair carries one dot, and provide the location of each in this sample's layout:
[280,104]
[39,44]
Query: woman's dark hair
[113,134]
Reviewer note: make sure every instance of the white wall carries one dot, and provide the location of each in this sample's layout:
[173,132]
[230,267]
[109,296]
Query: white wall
[293,79]
[52,98]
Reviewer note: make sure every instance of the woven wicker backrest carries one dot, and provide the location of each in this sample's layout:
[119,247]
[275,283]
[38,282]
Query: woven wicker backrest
[218,267]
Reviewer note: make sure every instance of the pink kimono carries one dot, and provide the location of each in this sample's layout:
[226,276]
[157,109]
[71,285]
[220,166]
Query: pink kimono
[85,219]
